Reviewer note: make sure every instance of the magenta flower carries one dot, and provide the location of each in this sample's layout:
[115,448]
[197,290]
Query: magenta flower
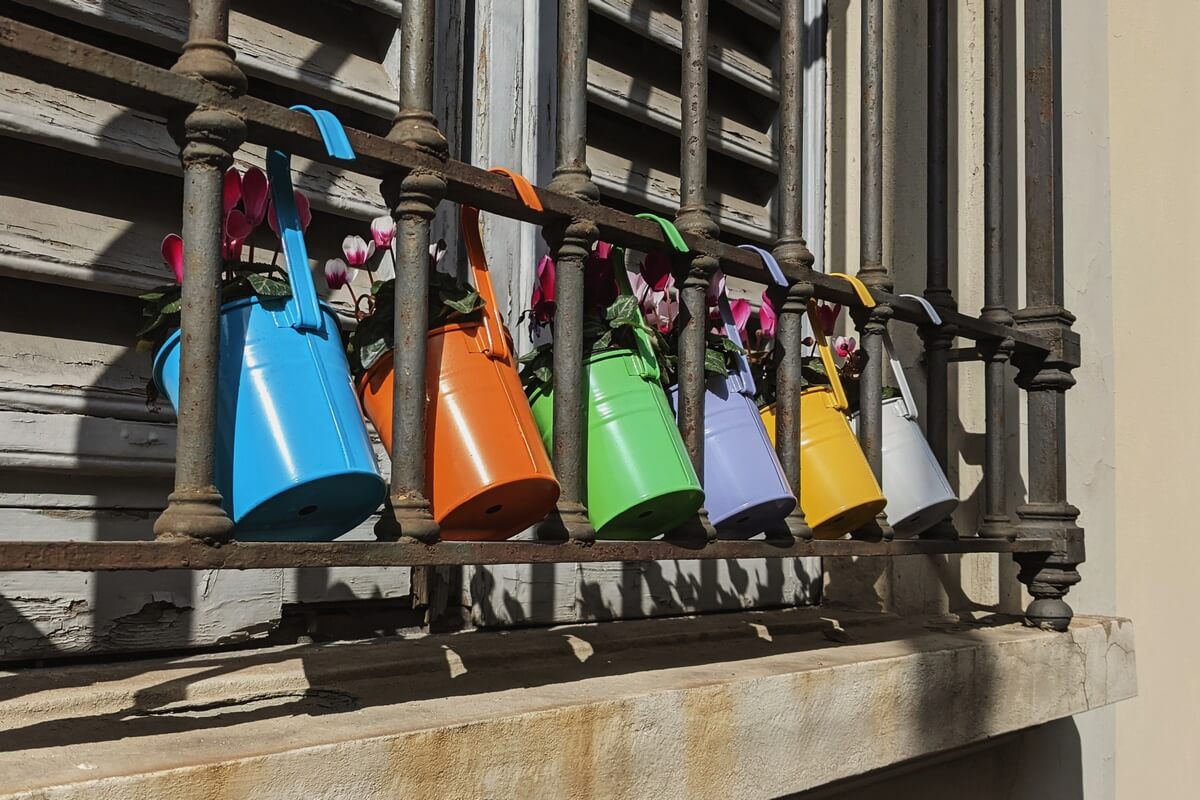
[656,269]
[767,317]
[237,230]
[255,196]
[599,280]
[231,192]
[303,210]
[383,230]
[172,254]
[828,316]
[844,346]
[542,303]
[741,316]
[337,274]
[357,250]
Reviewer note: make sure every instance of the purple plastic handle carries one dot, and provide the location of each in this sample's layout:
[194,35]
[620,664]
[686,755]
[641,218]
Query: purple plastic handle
[769,261]
[743,376]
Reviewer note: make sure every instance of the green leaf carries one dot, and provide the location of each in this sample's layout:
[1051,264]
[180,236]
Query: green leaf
[157,320]
[268,287]
[714,362]
[369,353]
[466,304]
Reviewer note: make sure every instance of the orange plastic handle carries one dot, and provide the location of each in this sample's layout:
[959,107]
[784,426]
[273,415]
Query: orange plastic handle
[497,342]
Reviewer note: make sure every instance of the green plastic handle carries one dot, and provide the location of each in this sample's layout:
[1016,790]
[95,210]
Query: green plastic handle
[648,366]
[669,230]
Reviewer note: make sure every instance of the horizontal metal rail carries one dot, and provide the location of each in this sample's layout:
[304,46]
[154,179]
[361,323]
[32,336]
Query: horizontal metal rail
[52,58]
[24,556]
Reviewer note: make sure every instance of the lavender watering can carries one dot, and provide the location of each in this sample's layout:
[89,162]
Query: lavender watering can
[745,490]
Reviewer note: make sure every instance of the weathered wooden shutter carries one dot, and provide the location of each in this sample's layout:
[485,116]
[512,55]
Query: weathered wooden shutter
[88,191]
[634,108]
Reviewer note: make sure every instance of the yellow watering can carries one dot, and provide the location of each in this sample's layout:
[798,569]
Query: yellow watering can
[838,491]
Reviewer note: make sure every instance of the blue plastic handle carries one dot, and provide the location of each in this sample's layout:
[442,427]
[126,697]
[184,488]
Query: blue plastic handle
[304,300]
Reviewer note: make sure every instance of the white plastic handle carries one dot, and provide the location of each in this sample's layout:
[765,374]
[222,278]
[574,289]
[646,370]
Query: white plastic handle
[910,404]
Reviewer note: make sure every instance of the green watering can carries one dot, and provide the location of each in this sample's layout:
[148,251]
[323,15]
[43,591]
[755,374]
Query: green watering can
[638,480]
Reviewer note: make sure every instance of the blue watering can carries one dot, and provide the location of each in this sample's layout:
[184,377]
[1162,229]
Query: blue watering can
[293,458]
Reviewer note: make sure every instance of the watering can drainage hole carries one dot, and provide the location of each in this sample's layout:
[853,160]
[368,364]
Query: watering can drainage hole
[493,509]
[645,514]
[304,512]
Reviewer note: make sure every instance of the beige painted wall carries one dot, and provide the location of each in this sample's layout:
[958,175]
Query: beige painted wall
[1154,78]
[1075,758]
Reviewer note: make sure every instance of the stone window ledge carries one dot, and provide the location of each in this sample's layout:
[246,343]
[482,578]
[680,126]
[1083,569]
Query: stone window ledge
[733,705]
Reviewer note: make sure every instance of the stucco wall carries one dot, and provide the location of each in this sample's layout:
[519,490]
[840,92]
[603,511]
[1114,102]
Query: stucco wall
[1154,78]
[1072,758]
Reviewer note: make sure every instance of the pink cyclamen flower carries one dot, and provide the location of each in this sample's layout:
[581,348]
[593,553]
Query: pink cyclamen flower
[437,252]
[357,250]
[255,195]
[844,346]
[303,211]
[741,310]
[337,274]
[656,269]
[231,191]
[767,317]
[828,316]
[542,303]
[383,230]
[172,254]
[599,280]
[653,286]
[237,230]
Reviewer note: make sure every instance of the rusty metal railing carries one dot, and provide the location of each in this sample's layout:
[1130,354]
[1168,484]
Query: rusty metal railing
[203,96]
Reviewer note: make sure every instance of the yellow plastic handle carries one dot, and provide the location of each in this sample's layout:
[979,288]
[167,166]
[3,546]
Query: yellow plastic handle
[835,380]
[860,288]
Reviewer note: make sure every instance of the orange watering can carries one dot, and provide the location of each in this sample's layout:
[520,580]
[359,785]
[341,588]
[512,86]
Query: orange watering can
[486,470]
[838,491]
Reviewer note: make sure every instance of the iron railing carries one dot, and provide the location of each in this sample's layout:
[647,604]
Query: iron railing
[203,98]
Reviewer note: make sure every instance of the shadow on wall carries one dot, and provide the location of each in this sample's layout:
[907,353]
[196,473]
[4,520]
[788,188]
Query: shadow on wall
[1039,762]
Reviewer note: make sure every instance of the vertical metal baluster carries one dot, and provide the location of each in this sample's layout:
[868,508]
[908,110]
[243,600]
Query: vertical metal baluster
[570,243]
[207,140]
[937,340]
[695,217]
[872,323]
[996,352]
[1046,376]
[413,199]
[791,250]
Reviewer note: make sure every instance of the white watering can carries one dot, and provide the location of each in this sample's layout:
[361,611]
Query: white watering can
[918,494]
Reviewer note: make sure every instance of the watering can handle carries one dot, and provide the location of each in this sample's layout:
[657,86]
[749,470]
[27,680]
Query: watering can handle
[910,404]
[835,380]
[678,245]
[676,240]
[304,301]
[648,362]
[769,261]
[497,341]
